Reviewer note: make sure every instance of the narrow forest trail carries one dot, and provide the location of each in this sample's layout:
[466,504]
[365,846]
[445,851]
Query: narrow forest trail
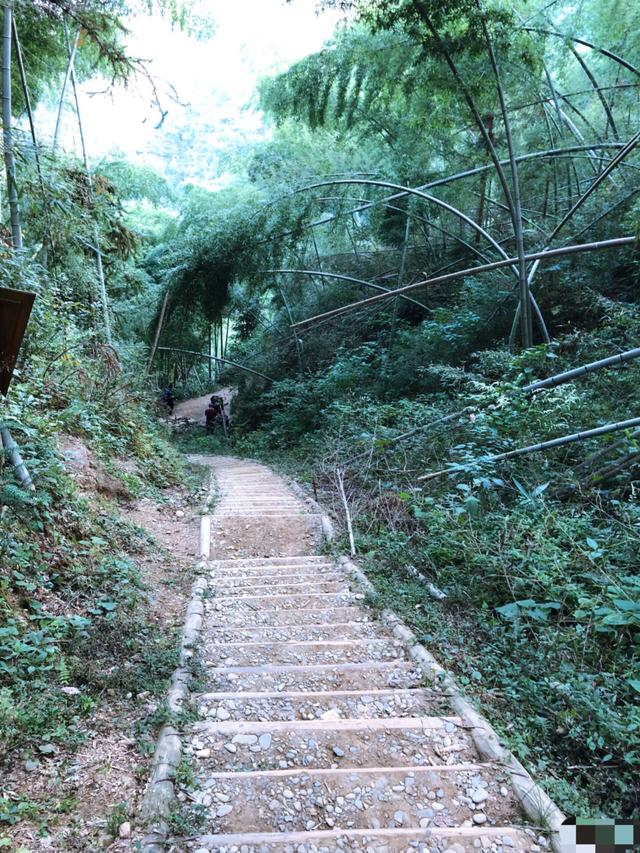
[315,731]
[194,407]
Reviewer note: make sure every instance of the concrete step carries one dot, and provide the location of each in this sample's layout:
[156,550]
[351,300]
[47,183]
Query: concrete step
[301,652]
[241,562]
[302,705]
[348,676]
[373,798]
[310,744]
[316,586]
[399,840]
[284,633]
[292,571]
[252,617]
[254,582]
[250,602]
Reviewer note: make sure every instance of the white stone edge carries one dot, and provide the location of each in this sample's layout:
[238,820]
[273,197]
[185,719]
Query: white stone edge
[536,803]
[159,794]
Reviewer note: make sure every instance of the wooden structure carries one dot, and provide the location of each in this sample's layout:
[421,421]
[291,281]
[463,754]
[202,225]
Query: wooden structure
[15,310]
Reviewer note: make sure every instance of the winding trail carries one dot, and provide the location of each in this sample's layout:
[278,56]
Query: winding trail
[315,732]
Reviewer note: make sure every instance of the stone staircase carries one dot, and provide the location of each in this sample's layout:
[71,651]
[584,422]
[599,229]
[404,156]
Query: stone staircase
[315,732]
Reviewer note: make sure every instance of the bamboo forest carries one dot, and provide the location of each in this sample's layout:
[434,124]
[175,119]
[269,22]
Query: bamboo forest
[320,421]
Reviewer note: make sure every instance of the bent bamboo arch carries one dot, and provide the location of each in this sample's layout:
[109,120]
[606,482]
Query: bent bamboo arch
[351,279]
[217,358]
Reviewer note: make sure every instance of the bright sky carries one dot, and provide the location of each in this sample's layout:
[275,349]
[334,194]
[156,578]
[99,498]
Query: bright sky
[216,78]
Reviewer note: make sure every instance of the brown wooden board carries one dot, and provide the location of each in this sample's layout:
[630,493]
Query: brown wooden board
[15,310]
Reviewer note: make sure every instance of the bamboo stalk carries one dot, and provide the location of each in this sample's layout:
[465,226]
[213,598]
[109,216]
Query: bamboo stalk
[216,358]
[605,104]
[547,253]
[568,375]
[13,453]
[348,278]
[156,339]
[447,179]
[96,236]
[544,445]
[612,469]
[7,126]
[427,197]
[526,325]
[63,93]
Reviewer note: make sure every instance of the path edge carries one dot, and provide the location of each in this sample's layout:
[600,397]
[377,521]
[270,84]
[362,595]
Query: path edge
[155,806]
[535,801]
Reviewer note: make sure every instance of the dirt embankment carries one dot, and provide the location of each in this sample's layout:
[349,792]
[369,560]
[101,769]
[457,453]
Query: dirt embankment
[84,799]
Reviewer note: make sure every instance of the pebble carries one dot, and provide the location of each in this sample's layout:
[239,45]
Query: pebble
[223,714]
[264,741]
[70,691]
[203,753]
[224,810]
[339,753]
[30,766]
[479,818]
[479,796]
[245,740]
[507,841]
[399,817]
[504,791]
[231,747]
[124,830]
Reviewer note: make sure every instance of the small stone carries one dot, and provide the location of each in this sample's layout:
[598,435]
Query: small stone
[504,791]
[179,513]
[507,841]
[125,830]
[70,691]
[231,747]
[224,810]
[222,713]
[245,740]
[479,796]
[479,818]
[264,741]
[399,817]
[47,748]
[30,766]
[339,753]
[203,753]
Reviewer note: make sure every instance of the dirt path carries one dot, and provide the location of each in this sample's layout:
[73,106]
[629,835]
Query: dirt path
[315,732]
[194,408]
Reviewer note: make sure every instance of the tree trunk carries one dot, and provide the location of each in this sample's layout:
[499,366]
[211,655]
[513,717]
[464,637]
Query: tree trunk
[9,159]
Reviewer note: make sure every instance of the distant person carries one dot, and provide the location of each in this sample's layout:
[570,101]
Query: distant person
[168,398]
[212,414]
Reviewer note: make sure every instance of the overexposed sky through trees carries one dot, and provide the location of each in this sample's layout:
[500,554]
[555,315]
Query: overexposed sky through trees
[214,79]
